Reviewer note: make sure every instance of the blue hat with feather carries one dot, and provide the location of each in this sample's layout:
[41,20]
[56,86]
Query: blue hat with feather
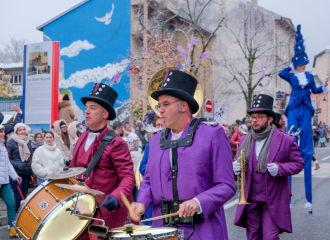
[300,56]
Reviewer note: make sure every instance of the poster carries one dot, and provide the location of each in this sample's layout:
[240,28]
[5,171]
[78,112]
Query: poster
[220,113]
[40,85]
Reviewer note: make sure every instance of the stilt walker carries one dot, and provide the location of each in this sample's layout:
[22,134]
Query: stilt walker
[300,110]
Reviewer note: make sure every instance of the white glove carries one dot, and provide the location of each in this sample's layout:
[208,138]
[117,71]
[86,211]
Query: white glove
[292,67]
[272,169]
[237,168]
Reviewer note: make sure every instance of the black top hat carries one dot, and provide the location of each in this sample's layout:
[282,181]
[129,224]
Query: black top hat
[277,120]
[105,96]
[262,103]
[181,85]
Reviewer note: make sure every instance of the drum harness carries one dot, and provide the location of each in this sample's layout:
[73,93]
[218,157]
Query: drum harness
[173,206]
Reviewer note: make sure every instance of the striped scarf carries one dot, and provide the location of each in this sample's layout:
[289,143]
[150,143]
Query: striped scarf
[263,155]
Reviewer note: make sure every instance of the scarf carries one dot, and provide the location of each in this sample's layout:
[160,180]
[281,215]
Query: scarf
[263,155]
[37,144]
[23,149]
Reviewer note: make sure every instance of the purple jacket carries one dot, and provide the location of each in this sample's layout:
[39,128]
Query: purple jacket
[285,153]
[204,172]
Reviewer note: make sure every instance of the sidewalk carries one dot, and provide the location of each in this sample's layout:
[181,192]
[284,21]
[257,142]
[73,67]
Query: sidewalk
[4,229]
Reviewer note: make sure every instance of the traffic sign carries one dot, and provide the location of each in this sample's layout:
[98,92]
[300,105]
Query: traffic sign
[208,106]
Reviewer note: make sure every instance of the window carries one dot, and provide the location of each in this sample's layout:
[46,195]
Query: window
[19,78]
[15,79]
[314,103]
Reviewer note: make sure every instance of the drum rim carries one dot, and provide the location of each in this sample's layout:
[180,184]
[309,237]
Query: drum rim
[178,232]
[51,213]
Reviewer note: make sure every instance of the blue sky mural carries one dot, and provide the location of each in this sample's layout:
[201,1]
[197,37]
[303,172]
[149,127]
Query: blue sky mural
[95,46]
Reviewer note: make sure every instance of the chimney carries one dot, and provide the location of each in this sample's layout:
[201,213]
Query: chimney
[255,2]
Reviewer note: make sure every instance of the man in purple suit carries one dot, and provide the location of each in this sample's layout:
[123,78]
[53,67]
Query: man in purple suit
[189,169]
[271,156]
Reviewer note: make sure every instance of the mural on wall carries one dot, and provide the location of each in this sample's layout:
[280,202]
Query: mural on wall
[94,47]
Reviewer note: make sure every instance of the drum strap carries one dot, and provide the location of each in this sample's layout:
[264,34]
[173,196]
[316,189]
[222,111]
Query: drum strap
[106,140]
[174,144]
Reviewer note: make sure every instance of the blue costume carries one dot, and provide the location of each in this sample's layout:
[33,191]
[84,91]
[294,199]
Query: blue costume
[300,110]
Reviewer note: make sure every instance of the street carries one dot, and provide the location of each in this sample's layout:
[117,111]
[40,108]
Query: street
[305,226]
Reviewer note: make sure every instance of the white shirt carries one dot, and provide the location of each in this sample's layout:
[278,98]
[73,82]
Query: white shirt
[90,139]
[259,145]
[176,136]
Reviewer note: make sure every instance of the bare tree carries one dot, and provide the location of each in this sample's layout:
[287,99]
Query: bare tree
[251,56]
[13,50]
[170,26]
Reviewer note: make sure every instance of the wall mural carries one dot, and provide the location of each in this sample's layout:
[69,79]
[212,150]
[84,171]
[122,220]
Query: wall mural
[94,47]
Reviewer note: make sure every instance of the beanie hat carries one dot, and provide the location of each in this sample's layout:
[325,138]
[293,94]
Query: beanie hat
[300,56]
[19,125]
[66,97]
[62,123]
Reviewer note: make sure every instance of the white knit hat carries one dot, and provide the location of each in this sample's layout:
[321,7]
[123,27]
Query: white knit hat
[19,125]
[1,126]
[132,137]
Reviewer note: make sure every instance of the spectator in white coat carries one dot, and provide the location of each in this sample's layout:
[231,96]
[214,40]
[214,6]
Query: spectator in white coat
[47,159]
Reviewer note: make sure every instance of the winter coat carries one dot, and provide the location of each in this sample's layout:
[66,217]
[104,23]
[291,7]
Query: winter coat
[72,130]
[10,127]
[6,169]
[66,112]
[21,168]
[66,152]
[322,131]
[234,139]
[316,134]
[46,161]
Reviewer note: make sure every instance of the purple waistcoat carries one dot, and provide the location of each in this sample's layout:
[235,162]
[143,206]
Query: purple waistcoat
[258,182]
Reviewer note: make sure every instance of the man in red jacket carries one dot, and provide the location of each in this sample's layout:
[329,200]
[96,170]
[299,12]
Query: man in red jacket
[114,172]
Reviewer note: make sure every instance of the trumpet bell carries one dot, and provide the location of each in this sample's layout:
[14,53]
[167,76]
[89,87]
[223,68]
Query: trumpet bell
[156,81]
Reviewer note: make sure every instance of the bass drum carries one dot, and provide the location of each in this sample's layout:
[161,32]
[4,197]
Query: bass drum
[164,233]
[43,214]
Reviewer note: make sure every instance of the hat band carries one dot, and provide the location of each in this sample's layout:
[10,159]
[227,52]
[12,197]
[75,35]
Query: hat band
[258,109]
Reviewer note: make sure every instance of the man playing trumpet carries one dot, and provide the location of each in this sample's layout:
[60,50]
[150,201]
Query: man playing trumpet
[271,156]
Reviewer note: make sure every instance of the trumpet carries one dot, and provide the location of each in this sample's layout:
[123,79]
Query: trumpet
[241,185]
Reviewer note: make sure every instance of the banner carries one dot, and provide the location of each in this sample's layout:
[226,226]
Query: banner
[40,85]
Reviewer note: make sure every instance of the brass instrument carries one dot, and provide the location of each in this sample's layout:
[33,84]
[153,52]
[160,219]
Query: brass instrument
[138,175]
[156,81]
[242,185]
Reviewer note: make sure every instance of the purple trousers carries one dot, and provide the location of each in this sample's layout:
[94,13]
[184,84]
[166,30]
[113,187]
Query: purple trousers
[260,224]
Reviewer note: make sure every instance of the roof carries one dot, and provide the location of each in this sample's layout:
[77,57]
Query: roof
[41,27]
[319,54]
[11,65]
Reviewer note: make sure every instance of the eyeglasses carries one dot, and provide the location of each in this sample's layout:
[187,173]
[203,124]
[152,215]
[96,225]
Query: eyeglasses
[258,117]
[64,127]
[165,105]
[159,125]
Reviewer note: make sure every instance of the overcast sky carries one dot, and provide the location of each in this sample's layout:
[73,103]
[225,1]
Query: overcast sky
[21,17]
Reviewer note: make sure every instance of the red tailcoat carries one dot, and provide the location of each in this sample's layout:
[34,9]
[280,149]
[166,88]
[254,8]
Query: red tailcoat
[112,174]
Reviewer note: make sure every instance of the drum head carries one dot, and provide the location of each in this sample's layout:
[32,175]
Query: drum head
[62,225]
[152,231]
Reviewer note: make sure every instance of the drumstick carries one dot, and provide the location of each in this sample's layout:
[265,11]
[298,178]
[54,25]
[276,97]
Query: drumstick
[161,217]
[290,129]
[19,191]
[126,203]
